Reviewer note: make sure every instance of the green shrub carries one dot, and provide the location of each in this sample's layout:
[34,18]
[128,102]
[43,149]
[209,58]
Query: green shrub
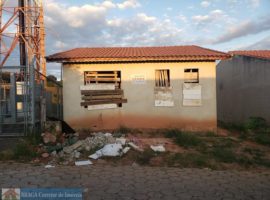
[172,133]
[262,138]
[187,139]
[256,123]
[224,155]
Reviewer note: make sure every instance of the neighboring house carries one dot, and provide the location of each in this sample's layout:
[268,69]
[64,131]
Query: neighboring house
[243,86]
[140,87]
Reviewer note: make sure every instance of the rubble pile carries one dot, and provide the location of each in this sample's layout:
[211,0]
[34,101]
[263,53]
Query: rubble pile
[61,148]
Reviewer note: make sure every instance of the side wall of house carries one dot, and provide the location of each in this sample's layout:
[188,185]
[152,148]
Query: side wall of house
[140,110]
[243,89]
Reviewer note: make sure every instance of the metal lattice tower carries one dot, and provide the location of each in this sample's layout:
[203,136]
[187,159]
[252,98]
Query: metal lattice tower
[22,23]
[22,46]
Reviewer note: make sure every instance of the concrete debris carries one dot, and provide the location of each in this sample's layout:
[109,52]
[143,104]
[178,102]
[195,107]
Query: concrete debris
[77,154]
[126,149]
[48,138]
[121,140]
[134,146]
[98,140]
[158,148]
[67,149]
[70,149]
[83,162]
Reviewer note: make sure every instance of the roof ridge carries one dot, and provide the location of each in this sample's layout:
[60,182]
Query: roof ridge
[208,49]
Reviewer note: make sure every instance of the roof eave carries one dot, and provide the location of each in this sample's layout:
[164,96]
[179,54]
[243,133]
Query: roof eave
[140,59]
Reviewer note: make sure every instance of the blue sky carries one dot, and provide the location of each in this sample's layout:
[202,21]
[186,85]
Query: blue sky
[218,24]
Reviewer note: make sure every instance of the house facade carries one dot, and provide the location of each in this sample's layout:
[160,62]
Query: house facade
[243,86]
[140,87]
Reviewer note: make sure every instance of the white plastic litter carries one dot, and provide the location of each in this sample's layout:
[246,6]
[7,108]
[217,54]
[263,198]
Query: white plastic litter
[83,162]
[111,150]
[158,148]
[49,166]
[96,155]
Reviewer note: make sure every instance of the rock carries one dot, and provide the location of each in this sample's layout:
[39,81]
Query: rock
[48,137]
[45,155]
[158,148]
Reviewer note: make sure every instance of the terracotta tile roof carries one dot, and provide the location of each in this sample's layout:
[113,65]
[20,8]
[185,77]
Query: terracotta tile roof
[118,54]
[253,53]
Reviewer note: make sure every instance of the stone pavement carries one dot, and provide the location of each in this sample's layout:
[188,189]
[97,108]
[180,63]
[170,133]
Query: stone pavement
[125,182]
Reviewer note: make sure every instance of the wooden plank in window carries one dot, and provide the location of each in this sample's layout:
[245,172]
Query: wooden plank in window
[107,101]
[102,92]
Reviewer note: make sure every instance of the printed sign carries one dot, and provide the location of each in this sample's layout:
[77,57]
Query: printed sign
[41,194]
[138,79]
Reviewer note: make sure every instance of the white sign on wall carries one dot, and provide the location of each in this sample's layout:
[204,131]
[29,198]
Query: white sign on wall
[138,79]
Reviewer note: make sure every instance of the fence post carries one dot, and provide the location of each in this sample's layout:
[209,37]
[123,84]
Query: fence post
[13,93]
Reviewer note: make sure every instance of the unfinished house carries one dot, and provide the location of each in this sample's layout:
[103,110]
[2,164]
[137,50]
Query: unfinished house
[243,86]
[140,87]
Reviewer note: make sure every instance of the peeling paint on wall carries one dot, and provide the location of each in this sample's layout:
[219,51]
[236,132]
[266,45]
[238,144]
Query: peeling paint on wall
[102,106]
[192,94]
[99,86]
[164,97]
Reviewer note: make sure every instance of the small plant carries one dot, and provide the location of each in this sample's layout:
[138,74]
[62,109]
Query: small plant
[24,150]
[187,139]
[171,133]
[256,123]
[224,155]
[262,138]
[123,130]
[211,134]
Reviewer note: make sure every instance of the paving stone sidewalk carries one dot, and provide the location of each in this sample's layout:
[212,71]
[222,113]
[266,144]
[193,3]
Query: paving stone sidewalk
[141,183]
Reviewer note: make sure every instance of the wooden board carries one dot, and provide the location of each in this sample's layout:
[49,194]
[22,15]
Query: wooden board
[102,97]
[102,92]
[107,101]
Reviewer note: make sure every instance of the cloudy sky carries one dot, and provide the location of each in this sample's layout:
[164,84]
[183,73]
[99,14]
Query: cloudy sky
[218,24]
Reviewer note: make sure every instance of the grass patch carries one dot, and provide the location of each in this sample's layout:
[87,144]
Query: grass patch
[224,155]
[262,138]
[190,160]
[24,150]
[183,139]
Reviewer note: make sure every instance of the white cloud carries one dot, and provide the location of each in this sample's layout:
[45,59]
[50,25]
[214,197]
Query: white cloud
[214,15]
[255,3]
[205,4]
[243,29]
[129,4]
